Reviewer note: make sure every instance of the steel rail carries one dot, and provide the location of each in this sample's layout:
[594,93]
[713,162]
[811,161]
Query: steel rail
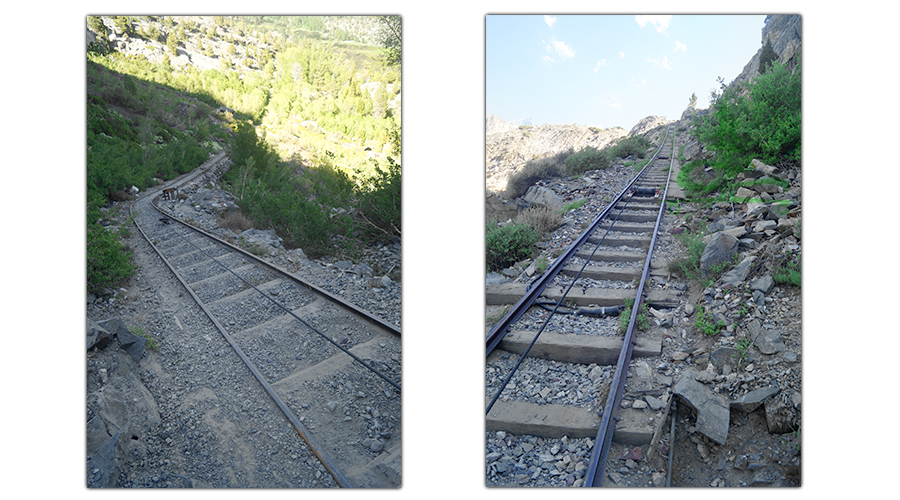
[499,330]
[524,354]
[600,453]
[369,316]
[671,443]
[314,446]
[288,311]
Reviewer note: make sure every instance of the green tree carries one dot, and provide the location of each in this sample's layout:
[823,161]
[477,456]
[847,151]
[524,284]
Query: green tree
[693,101]
[391,39]
[123,25]
[172,44]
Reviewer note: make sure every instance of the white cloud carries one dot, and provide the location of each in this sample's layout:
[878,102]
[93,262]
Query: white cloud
[601,62]
[562,49]
[550,20]
[681,46]
[613,102]
[661,22]
[663,64]
[640,84]
[622,54]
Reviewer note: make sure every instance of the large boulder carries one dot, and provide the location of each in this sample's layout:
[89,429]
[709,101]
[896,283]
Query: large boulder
[129,342]
[97,336]
[539,195]
[721,249]
[262,238]
[712,412]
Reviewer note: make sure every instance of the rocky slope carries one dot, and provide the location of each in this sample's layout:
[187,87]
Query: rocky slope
[735,340]
[508,146]
[751,364]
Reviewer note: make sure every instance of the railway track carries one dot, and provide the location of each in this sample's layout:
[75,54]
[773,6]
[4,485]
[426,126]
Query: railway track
[332,369]
[563,364]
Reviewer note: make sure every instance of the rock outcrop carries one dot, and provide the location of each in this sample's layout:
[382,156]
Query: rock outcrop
[121,412]
[647,124]
[784,33]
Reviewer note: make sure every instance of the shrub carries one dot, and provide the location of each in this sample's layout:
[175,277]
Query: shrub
[379,203]
[693,178]
[757,120]
[689,265]
[505,245]
[542,219]
[635,145]
[109,261]
[588,158]
[236,221]
[535,170]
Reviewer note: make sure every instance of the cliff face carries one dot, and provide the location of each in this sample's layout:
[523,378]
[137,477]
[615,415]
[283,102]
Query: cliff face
[785,34]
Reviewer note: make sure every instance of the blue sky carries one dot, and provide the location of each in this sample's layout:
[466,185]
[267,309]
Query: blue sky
[610,70]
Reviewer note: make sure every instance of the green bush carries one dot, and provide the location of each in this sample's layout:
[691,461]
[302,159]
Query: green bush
[688,266]
[757,120]
[586,159]
[542,219]
[508,244]
[635,145]
[109,261]
[693,179]
[379,203]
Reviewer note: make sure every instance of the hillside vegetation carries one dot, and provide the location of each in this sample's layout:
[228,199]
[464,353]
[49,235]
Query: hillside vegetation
[307,107]
[746,121]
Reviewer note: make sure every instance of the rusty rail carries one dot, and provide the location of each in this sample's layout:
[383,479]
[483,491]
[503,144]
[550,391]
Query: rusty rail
[600,453]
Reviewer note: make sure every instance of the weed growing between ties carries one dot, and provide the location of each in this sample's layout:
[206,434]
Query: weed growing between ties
[642,322]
